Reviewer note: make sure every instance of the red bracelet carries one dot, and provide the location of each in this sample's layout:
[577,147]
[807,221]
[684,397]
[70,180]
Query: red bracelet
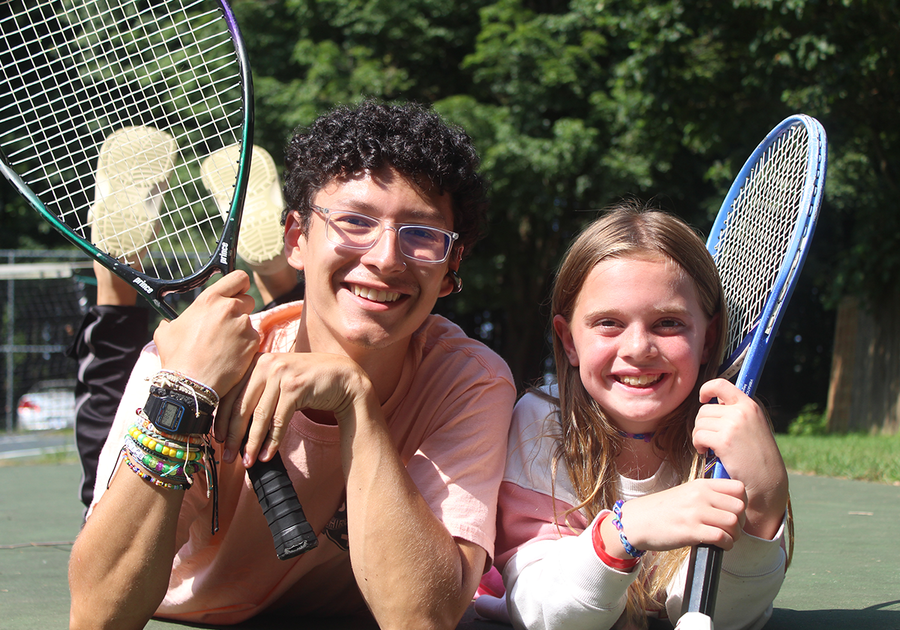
[600,549]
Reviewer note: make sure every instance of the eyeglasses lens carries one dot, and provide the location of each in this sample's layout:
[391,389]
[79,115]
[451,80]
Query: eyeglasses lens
[416,241]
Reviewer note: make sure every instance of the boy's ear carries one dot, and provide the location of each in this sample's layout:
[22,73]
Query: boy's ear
[712,334]
[561,327]
[294,240]
[447,282]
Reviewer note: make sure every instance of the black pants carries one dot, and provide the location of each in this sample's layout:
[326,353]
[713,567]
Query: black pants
[106,347]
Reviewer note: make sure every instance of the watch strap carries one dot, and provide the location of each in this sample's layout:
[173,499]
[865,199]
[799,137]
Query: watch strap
[174,412]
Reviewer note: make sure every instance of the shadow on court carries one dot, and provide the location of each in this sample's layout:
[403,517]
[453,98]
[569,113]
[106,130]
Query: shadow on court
[845,573]
[881,617]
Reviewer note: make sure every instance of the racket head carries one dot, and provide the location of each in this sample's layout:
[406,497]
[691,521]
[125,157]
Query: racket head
[112,105]
[761,236]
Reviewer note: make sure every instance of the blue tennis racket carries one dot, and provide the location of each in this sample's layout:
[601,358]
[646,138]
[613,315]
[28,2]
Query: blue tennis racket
[759,241]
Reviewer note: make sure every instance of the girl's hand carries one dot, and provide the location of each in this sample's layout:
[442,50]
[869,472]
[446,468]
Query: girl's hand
[280,384]
[737,430]
[212,341]
[702,511]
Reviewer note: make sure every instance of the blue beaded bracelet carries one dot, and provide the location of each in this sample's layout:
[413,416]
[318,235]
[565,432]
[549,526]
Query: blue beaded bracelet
[617,522]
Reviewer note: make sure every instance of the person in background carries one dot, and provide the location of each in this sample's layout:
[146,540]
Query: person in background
[116,328]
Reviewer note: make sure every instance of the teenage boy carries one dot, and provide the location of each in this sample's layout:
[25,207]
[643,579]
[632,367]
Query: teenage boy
[392,423]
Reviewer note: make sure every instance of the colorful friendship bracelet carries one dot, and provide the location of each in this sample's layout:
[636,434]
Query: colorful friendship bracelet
[617,522]
[146,476]
[162,467]
[175,450]
[170,470]
[204,460]
[600,549]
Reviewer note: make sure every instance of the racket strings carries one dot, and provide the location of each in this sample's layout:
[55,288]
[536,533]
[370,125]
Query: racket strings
[78,76]
[759,228]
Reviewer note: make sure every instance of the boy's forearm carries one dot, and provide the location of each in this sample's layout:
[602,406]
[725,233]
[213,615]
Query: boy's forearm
[120,563]
[411,571]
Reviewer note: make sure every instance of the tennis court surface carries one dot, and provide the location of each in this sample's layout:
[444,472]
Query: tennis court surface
[845,574]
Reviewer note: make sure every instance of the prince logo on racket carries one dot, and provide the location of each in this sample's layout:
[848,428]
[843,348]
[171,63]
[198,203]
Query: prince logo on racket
[362,391]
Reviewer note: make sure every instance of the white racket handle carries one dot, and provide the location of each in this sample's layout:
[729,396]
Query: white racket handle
[694,621]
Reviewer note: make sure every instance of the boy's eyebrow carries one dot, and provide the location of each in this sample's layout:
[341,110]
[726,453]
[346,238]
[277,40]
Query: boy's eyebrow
[364,207]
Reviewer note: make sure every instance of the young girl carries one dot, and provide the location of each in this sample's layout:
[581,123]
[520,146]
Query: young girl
[600,501]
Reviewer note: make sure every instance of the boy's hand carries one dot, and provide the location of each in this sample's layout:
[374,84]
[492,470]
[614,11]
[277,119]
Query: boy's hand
[212,341]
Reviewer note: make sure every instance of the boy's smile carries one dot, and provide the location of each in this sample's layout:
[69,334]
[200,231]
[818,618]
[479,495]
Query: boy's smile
[356,299]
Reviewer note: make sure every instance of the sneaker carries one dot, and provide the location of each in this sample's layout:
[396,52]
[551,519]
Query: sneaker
[261,237]
[133,172]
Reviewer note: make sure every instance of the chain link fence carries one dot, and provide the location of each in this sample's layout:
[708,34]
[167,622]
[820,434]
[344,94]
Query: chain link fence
[44,295]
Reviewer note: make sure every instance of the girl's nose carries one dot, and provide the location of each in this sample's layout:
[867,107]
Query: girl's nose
[638,343]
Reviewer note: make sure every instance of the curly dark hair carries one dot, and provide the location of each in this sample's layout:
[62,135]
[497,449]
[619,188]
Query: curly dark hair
[411,138]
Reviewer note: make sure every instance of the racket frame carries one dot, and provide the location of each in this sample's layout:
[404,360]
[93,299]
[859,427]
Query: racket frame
[223,257]
[749,357]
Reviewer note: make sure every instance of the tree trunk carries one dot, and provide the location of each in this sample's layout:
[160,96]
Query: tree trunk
[864,393]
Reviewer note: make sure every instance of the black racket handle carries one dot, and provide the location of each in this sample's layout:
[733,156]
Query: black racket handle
[291,532]
[702,583]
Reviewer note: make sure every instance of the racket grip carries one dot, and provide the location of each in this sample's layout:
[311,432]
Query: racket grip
[291,532]
[702,584]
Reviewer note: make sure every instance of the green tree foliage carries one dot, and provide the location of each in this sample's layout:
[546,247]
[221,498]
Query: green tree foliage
[576,104]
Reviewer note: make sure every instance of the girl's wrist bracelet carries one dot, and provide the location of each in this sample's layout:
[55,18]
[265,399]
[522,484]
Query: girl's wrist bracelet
[617,522]
[600,549]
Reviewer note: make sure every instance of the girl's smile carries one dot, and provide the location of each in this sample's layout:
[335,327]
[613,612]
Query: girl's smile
[638,337]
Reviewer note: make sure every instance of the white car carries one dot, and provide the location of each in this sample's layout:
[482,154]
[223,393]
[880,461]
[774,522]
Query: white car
[47,405]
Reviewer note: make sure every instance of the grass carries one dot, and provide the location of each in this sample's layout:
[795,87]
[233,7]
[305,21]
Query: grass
[849,456]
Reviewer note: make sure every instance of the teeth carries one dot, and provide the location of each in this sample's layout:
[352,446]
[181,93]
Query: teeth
[374,295]
[639,381]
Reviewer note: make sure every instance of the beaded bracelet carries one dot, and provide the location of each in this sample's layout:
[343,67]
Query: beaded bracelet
[163,466]
[173,473]
[139,450]
[180,439]
[617,522]
[150,478]
[203,460]
[175,450]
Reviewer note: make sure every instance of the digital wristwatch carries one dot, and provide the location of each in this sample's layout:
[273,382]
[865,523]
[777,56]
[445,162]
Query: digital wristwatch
[173,412]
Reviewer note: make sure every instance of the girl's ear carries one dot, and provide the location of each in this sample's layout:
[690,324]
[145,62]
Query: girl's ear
[712,335]
[561,327]
[294,240]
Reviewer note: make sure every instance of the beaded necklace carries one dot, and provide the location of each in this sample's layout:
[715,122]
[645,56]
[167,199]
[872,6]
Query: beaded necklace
[646,437]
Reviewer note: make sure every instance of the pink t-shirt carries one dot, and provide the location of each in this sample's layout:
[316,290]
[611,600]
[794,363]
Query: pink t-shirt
[449,417]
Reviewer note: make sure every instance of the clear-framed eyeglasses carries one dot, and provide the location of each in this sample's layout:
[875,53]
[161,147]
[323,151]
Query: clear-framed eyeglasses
[423,243]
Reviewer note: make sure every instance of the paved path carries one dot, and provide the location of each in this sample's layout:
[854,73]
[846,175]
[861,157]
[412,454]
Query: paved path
[845,574]
[16,446]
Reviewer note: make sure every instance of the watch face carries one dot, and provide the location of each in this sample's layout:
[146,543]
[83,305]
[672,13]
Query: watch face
[170,416]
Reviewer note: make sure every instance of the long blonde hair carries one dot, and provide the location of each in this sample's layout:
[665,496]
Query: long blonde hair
[589,442]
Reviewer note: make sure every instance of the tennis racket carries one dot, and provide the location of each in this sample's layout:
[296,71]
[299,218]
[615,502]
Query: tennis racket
[108,109]
[759,241]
